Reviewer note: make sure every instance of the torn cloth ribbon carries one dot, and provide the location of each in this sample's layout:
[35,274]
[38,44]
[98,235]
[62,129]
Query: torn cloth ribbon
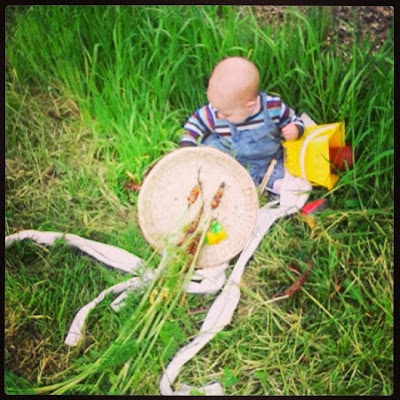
[210,280]
[294,194]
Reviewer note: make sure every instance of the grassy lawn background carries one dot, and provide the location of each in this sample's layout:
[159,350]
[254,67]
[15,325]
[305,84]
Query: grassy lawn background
[94,93]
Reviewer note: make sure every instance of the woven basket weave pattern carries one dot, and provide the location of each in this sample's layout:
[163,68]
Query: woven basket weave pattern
[163,200]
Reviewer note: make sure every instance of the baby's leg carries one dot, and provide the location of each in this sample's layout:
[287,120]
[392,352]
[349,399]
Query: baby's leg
[277,186]
[274,183]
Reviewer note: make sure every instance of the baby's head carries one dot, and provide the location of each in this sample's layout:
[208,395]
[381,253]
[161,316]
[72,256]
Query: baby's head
[233,89]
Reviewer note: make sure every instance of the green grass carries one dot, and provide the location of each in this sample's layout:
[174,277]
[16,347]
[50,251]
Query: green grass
[95,91]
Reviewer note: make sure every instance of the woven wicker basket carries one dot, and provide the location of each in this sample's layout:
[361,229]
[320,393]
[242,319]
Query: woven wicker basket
[163,201]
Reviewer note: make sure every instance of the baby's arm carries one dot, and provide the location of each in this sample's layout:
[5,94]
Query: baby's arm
[291,125]
[187,140]
[290,131]
[198,125]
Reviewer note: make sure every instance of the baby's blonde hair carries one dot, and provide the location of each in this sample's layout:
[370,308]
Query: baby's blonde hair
[236,77]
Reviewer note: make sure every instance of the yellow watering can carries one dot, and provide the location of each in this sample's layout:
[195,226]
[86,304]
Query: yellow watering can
[312,156]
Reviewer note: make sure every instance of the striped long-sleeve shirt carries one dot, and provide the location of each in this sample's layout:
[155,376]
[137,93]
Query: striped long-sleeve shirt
[205,121]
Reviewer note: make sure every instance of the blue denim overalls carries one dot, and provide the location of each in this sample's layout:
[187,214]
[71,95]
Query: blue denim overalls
[253,148]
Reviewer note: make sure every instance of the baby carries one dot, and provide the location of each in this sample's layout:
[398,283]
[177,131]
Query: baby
[242,121]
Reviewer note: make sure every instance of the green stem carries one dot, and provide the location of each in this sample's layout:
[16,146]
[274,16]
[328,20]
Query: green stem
[62,387]
[154,333]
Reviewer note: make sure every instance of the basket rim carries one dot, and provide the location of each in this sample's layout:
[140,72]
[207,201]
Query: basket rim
[169,183]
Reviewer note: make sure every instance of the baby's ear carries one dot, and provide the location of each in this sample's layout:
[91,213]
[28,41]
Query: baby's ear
[252,104]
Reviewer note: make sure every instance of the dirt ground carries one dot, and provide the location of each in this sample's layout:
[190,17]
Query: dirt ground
[361,20]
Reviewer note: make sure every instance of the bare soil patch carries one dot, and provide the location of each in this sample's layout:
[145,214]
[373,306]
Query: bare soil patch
[361,22]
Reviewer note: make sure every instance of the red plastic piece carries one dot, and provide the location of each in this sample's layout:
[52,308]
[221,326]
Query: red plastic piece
[340,156]
[314,206]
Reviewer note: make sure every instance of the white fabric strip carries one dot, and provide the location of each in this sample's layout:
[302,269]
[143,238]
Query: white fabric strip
[75,330]
[205,281]
[105,253]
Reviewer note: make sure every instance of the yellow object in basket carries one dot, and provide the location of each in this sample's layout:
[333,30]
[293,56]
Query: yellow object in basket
[215,234]
[308,157]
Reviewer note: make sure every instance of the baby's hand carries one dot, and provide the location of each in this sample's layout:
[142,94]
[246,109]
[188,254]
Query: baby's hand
[290,131]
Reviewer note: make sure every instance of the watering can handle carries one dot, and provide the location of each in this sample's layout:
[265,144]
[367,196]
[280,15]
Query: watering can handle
[267,175]
[303,150]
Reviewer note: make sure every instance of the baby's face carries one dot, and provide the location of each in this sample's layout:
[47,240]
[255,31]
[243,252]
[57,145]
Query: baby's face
[235,115]
[233,109]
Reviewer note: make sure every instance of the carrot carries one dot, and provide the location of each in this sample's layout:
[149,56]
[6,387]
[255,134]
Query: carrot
[194,193]
[217,197]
